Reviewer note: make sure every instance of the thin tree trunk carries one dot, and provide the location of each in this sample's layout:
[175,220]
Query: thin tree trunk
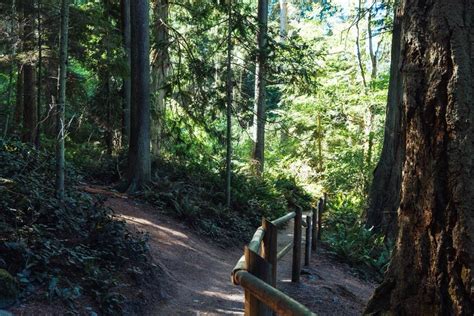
[372,53]
[13,26]
[384,193]
[160,65]
[139,166]
[283,37]
[126,88]
[432,268]
[30,118]
[19,80]
[370,112]
[30,112]
[283,20]
[19,98]
[60,112]
[39,78]
[258,153]
[229,109]
[358,49]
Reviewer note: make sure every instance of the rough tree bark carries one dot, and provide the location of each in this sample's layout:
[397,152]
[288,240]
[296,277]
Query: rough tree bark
[384,194]
[160,65]
[258,153]
[432,269]
[139,167]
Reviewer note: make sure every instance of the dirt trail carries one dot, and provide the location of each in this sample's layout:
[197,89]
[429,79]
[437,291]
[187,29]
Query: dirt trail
[197,271]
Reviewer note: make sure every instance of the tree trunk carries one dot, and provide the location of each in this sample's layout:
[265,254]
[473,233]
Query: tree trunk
[30,111]
[283,20]
[126,88]
[13,27]
[30,114]
[139,168]
[39,77]
[160,65]
[229,96]
[60,112]
[432,269]
[18,117]
[258,153]
[384,194]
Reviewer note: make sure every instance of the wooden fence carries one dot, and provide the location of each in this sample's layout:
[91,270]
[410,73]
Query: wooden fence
[256,271]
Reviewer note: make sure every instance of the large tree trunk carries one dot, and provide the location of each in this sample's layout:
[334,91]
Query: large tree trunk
[126,88]
[432,269]
[160,65]
[258,153]
[139,168]
[60,109]
[384,194]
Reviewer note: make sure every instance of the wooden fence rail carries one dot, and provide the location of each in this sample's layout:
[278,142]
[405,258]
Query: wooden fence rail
[256,270]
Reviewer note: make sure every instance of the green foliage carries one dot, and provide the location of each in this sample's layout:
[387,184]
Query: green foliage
[195,195]
[62,251]
[9,288]
[350,240]
[95,163]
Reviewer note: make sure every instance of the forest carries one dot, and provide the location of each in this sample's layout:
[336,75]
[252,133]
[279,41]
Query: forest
[144,142]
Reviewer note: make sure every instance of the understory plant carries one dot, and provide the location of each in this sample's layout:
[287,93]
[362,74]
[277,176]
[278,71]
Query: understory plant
[348,238]
[72,251]
[195,194]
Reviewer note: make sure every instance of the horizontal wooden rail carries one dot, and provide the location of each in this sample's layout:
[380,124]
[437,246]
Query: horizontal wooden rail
[278,301]
[256,269]
[284,251]
[282,220]
[256,241]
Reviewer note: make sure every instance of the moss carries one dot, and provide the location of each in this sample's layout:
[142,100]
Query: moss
[9,289]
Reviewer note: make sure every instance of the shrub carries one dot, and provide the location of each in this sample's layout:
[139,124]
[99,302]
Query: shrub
[196,195]
[350,240]
[61,251]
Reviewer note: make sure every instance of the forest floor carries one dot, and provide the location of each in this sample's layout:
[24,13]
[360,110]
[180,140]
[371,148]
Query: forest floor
[197,271]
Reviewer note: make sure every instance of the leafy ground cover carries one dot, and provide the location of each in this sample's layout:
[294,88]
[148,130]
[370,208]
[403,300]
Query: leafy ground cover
[77,252]
[349,239]
[196,195]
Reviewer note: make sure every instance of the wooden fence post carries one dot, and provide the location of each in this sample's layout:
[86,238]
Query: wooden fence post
[296,269]
[320,214]
[270,247]
[257,266]
[314,237]
[307,254]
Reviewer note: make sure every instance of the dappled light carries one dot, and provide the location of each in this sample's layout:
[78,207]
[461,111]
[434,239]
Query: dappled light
[236,157]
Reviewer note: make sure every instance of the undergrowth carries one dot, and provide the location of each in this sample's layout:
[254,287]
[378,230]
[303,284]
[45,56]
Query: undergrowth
[189,190]
[351,241]
[196,195]
[69,253]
